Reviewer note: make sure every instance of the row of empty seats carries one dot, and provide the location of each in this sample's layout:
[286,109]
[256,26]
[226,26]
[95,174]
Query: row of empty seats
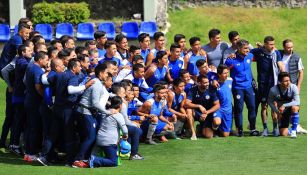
[85,31]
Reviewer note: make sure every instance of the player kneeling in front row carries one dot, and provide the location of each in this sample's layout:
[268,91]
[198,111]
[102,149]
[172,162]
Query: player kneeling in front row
[287,98]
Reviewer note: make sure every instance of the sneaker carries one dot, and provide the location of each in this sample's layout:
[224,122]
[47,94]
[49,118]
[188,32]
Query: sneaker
[150,142]
[16,150]
[163,139]
[136,157]
[254,133]
[301,130]
[276,132]
[43,161]
[293,134]
[240,133]
[91,161]
[265,132]
[79,164]
[215,127]
[194,137]
[29,158]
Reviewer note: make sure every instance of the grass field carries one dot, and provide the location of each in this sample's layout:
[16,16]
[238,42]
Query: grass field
[233,155]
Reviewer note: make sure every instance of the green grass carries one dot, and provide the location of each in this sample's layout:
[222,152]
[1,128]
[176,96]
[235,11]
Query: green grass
[248,155]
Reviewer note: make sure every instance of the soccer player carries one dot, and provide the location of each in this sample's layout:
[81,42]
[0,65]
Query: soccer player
[185,76]
[205,104]
[175,102]
[153,110]
[268,64]
[294,66]
[159,46]
[223,92]
[144,40]
[34,94]
[192,56]
[108,135]
[110,47]
[67,42]
[180,40]
[122,48]
[215,48]
[90,45]
[286,95]
[158,70]
[175,64]
[101,38]
[242,90]
[57,44]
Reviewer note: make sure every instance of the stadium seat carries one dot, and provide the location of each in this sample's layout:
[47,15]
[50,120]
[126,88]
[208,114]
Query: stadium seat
[85,31]
[109,28]
[148,27]
[4,32]
[45,30]
[16,29]
[64,29]
[130,30]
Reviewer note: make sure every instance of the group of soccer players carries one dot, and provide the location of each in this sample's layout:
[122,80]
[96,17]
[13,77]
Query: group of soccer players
[63,98]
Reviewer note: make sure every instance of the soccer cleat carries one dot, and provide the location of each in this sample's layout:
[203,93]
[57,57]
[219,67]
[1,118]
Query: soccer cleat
[240,133]
[194,137]
[43,161]
[16,150]
[301,130]
[79,164]
[91,161]
[276,132]
[136,157]
[265,132]
[254,133]
[293,134]
[150,142]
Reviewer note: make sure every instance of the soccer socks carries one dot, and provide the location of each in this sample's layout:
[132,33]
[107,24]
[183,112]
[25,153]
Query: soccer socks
[295,120]
[151,130]
[274,124]
[178,126]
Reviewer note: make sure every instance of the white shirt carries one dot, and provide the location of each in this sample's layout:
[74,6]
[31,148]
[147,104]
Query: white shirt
[285,60]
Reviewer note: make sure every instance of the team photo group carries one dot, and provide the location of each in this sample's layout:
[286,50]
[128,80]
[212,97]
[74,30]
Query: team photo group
[85,104]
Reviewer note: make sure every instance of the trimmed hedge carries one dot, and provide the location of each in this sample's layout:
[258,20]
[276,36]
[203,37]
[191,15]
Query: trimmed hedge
[60,12]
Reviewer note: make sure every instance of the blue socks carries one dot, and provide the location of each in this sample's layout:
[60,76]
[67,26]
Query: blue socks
[295,120]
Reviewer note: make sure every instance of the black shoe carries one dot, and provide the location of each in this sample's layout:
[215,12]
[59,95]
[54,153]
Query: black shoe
[16,150]
[43,161]
[254,133]
[240,133]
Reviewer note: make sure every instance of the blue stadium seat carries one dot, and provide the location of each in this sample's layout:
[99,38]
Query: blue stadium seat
[16,29]
[4,32]
[45,30]
[130,30]
[85,31]
[148,27]
[64,29]
[109,28]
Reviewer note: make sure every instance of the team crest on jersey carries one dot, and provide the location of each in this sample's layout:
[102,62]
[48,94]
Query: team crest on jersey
[229,86]
[207,97]
[263,99]
[238,97]
[238,64]
[248,61]
[214,114]
[179,65]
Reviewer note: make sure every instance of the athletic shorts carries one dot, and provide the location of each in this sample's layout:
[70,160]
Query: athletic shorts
[226,118]
[285,119]
[209,120]
[263,92]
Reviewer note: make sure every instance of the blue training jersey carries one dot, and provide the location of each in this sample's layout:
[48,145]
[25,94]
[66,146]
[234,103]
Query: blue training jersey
[192,68]
[175,67]
[144,54]
[157,76]
[178,98]
[224,94]
[205,98]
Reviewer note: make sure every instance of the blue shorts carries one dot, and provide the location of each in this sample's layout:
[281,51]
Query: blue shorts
[159,128]
[209,120]
[226,123]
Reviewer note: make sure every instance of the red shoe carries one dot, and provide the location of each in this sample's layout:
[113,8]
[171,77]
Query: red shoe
[79,164]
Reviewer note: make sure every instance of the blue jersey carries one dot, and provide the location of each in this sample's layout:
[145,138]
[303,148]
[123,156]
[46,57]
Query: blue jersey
[188,87]
[33,77]
[157,76]
[105,58]
[192,68]
[10,50]
[224,94]
[144,54]
[175,67]
[241,71]
[155,51]
[62,81]
[19,86]
[265,61]
[101,52]
[178,98]
[205,98]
